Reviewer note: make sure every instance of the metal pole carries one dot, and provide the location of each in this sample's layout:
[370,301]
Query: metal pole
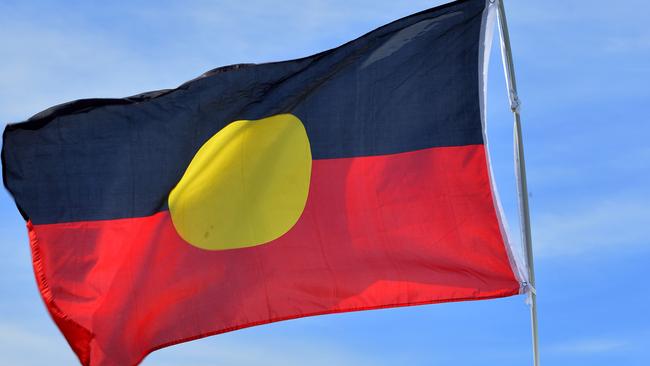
[521,171]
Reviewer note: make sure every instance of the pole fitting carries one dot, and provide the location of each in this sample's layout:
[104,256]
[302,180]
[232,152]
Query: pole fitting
[515,103]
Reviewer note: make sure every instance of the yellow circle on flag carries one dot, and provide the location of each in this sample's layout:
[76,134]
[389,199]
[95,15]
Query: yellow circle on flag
[246,186]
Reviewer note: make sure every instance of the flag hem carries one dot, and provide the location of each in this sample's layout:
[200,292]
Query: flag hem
[485,44]
[65,324]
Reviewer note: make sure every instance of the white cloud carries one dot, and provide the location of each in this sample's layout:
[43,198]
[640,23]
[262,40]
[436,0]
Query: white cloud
[590,346]
[234,350]
[628,43]
[595,12]
[52,65]
[603,226]
[47,60]
[21,346]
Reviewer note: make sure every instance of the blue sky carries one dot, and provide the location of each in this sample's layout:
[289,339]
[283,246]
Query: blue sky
[583,71]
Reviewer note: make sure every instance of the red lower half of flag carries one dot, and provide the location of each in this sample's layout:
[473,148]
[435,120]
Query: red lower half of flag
[381,231]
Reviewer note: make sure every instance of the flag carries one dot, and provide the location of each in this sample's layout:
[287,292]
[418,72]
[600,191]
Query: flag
[354,179]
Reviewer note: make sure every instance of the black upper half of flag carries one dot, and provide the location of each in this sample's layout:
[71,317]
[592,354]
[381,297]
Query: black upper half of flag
[409,85]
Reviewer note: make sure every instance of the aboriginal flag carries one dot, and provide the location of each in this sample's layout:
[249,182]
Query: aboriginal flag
[353,179]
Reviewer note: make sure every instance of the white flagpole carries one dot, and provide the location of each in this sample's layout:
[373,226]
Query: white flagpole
[521,171]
